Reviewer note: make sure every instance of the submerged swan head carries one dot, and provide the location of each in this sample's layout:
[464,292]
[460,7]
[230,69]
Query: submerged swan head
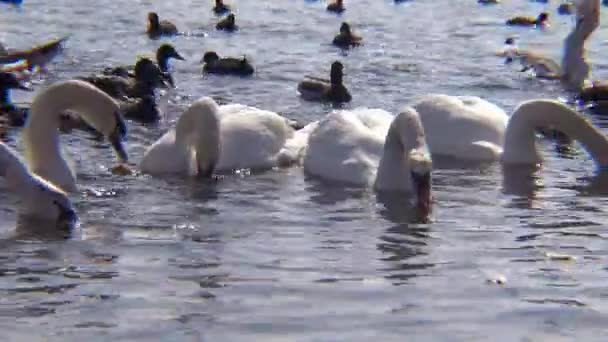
[41,136]
[406,164]
[37,198]
[198,129]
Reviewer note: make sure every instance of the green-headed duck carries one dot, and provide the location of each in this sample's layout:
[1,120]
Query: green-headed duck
[220,8]
[227,65]
[227,23]
[336,7]
[346,38]
[13,115]
[540,21]
[316,89]
[163,54]
[157,27]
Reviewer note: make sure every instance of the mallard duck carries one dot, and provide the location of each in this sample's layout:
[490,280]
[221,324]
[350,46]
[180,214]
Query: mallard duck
[540,21]
[220,8]
[346,38]
[13,115]
[227,65]
[316,89]
[157,28]
[163,54]
[336,7]
[227,24]
[36,56]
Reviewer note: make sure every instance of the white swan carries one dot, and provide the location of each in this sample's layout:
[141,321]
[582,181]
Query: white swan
[371,147]
[41,136]
[574,70]
[37,197]
[209,138]
[482,133]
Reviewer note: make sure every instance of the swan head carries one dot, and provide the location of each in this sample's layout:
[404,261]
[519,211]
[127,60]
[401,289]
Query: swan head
[95,107]
[199,128]
[410,141]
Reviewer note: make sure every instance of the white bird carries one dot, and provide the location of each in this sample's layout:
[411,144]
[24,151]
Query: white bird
[574,70]
[474,129]
[37,198]
[209,138]
[41,132]
[371,147]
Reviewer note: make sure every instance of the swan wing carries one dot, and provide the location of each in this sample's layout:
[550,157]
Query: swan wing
[456,125]
[342,147]
[251,138]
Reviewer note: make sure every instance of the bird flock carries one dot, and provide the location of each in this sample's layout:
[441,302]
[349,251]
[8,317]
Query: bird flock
[366,147]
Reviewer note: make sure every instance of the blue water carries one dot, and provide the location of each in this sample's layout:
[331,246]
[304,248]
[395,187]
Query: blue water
[277,256]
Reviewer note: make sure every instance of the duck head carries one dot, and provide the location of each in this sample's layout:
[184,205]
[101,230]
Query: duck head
[231,19]
[153,21]
[210,57]
[148,73]
[336,74]
[345,29]
[542,18]
[164,53]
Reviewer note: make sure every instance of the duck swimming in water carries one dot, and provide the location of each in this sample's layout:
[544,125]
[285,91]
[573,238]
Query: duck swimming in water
[336,7]
[220,8]
[14,116]
[227,24]
[157,28]
[346,38]
[227,65]
[137,95]
[565,8]
[163,55]
[540,21]
[316,89]
[36,56]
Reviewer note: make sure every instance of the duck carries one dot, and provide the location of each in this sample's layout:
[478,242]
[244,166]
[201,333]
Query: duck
[346,38]
[372,148]
[594,96]
[316,89]
[227,65]
[336,6]
[209,139]
[227,24]
[37,56]
[488,2]
[15,116]
[37,198]
[480,131]
[164,54]
[540,21]
[40,135]
[136,96]
[220,8]
[565,8]
[157,28]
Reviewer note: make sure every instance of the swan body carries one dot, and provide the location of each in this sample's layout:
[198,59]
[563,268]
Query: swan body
[371,147]
[463,127]
[37,197]
[209,138]
[483,132]
[41,137]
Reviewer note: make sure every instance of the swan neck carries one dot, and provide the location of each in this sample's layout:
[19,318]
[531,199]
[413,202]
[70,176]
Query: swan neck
[393,167]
